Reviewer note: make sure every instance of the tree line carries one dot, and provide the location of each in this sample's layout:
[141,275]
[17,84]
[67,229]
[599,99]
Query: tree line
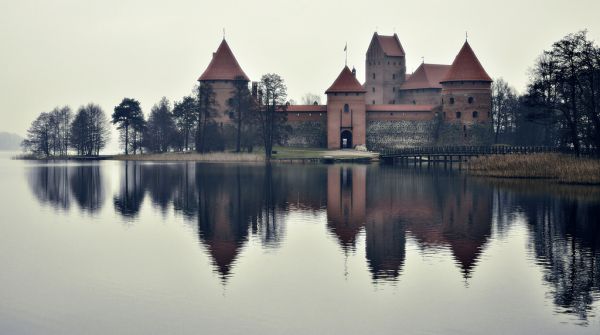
[252,119]
[561,105]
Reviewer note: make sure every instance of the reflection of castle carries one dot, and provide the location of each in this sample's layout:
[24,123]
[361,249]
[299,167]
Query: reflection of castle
[401,107]
[389,205]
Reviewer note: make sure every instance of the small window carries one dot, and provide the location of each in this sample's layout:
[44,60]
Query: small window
[346,94]
[452,101]
[373,75]
[393,76]
[391,113]
[373,88]
[458,115]
[394,102]
[475,114]
[470,100]
[346,108]
[373,102]
[414,102]
[393,89]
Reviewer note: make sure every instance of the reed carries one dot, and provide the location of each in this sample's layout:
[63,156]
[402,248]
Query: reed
[562,168]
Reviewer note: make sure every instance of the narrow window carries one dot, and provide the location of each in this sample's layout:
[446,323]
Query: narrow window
[452,101]
[393,76]
[373,88]
[414,102]
[373,75]
[475,114]
[373,102]
[393,89]
[470,100]
[458,115]
[346,108]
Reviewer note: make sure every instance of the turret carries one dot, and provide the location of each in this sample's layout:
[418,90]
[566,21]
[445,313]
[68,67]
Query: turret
[466,89]
[223,74]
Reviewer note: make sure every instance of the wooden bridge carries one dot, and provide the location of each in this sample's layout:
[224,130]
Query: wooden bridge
[462,153]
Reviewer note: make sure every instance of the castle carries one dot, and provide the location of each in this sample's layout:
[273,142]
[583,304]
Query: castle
[391,109]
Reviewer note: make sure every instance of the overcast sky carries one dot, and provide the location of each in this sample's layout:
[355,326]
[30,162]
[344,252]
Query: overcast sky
[71,52]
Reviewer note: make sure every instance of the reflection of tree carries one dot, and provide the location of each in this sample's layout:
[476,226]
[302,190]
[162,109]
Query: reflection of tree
[86,186]
[566,240]
[131,191]
[49,184]
[57,185]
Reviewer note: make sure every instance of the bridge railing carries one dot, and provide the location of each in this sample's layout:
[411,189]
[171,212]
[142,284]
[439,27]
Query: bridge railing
[483,150]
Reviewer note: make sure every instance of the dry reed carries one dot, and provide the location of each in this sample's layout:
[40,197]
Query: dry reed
[562,168]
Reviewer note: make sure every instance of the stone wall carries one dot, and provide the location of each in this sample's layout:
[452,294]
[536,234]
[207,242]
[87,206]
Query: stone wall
[308,134]
[387,134]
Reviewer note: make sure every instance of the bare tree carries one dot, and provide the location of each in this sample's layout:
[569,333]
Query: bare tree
[271,111]
[504,105]
[311,99]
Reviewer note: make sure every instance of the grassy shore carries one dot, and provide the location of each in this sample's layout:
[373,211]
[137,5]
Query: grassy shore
[192,156]
[561,168]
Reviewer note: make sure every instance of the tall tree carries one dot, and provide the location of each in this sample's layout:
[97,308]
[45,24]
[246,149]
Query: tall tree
[38,136]
[160,129]
[127,114]
[271,111]
[504,105]
[186,117]
[240,104]
[206,111]
[89,130]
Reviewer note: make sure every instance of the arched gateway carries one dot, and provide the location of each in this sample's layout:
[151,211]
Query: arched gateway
[346,139]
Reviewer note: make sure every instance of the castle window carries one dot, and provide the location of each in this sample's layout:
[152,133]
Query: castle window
[393,89]
[373,75]
[452,101]
[394,76]
[414,102]
[373,88]
[458,115]
[470,100]
[346,108]
[373,102]
[392,114]
[475,114]
[346,94]
[394,102]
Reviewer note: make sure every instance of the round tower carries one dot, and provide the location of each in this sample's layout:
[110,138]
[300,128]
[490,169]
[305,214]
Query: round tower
[466,89]
[223,74]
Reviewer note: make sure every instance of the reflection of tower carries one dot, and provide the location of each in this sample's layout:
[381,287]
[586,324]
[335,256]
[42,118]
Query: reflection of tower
[466,222]
[346,202]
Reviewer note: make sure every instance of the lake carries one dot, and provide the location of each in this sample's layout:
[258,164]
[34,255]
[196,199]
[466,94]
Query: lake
[138,248]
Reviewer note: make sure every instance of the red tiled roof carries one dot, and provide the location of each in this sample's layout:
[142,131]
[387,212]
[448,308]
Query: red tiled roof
[346,83]
[307,108]
[390,45]
[399,108]
[426,76]
[466,67]
[223,66]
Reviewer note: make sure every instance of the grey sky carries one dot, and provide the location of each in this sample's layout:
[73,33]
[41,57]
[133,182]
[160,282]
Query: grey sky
[73,52]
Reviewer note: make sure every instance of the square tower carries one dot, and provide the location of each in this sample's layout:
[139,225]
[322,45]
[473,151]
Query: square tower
[385,69]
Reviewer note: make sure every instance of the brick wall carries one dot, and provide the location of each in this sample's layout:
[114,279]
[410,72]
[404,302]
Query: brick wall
[308,134]
[393,134]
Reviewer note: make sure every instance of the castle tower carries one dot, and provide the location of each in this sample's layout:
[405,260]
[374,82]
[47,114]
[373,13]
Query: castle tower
[223,74]
[346,112]
[386,69]
[466,89]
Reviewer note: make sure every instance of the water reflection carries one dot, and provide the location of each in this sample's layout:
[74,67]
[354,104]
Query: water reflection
[60,185]
[439,210]
[566,242]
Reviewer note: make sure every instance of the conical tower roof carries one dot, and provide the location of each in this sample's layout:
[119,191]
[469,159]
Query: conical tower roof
[346,83]
[223,66]
[466,67]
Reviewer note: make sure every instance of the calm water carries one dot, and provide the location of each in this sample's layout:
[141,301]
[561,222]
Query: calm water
[124,248]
